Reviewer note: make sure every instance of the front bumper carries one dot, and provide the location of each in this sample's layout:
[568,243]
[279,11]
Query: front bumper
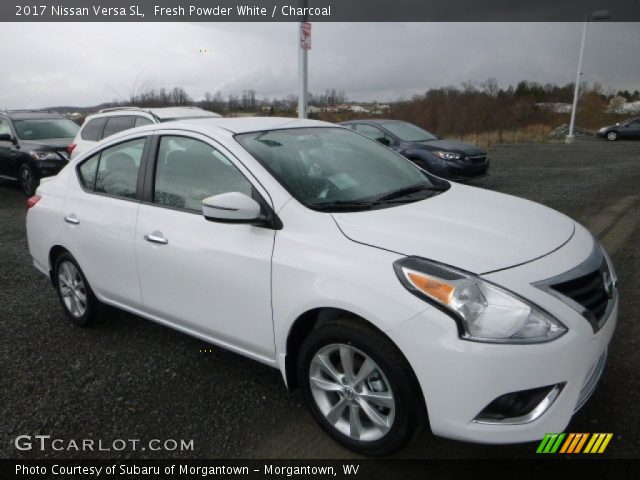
[459,378]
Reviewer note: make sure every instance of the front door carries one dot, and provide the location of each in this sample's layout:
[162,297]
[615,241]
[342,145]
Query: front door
[212,279]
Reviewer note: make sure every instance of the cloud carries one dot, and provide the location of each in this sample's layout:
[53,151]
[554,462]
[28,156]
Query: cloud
[89,63]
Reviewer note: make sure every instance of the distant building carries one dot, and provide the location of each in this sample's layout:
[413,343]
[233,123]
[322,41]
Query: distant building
[555,107]
[631,107]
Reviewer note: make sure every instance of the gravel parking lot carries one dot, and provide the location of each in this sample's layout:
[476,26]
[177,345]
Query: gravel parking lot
[127,378]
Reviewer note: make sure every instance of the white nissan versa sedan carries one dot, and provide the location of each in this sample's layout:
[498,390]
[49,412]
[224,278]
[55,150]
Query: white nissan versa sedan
[391,297]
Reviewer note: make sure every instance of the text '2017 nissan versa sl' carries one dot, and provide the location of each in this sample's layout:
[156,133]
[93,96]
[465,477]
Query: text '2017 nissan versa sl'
[394,299]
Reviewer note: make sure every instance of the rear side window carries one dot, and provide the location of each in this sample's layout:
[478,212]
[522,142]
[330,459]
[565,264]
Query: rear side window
[117,124]
[87,172]
[114,170]
[93,129]
[141,121]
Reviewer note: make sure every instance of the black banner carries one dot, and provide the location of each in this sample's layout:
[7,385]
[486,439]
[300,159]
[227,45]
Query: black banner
[317,469]
[315,10]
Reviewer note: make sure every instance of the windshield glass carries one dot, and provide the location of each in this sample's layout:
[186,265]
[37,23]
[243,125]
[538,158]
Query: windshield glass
[335,169]
[45,128]
[408,132]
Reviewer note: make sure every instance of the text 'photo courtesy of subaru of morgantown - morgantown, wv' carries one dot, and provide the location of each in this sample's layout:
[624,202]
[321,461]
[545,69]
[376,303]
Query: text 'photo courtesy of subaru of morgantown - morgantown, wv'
[394,298]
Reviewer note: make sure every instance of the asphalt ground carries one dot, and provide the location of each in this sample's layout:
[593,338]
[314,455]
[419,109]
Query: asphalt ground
[128,378]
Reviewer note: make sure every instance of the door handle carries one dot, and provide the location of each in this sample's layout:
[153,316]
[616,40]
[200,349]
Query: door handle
[72,220]
[156,239]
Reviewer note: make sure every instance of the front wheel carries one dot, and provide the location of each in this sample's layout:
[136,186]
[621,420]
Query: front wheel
[28,181]
[359,387]
[612,136]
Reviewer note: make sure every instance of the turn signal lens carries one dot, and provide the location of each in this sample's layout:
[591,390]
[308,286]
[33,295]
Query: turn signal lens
[436,289]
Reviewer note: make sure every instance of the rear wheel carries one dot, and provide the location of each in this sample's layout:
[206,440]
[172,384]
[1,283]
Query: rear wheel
[74,292]
[612,136]
[27,179]
[359,387]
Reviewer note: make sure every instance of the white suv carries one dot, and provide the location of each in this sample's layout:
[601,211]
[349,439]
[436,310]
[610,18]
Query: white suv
[110,121]
[385,293]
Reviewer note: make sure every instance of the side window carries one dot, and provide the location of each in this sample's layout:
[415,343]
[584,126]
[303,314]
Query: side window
[141,121]
[188,171]
[87,172]
[92,130]
[117,124]
[118,169]
[371,132]
[5,129]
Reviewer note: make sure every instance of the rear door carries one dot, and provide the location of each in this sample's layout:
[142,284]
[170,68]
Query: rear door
[208,278]
[100,215]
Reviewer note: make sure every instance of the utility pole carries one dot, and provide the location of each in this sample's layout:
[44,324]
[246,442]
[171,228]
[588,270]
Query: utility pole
[593,16]
[304,45]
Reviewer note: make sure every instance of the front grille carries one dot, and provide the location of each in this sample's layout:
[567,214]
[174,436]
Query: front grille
[478,159]
[588,290]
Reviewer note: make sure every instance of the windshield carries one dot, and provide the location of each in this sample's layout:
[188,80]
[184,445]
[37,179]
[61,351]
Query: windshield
[408,132]
[336,169]
[45,128]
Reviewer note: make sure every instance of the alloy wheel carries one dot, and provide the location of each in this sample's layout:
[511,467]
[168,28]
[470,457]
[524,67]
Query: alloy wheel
[72,289]
[352,392]
[612,136]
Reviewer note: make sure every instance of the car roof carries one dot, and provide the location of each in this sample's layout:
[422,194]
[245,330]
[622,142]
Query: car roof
[161,113]
[371,120]
[33,114]
[237,125]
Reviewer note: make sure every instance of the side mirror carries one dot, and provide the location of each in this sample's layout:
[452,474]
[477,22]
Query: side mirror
[232,207]
[6,137]
[384,141]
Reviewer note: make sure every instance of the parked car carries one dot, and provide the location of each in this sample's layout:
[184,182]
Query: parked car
[627,129]
[384,292]
[446,158]
[33,145]
[113,120]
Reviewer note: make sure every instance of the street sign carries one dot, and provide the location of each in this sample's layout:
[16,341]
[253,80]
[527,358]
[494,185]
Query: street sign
[305,35]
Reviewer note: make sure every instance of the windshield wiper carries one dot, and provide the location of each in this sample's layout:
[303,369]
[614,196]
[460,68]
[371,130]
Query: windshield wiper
[403,192]
[342,205]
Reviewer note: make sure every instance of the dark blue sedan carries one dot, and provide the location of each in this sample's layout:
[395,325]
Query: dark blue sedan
[445,158]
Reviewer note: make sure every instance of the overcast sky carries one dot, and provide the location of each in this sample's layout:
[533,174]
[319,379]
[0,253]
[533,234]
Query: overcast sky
[84,64]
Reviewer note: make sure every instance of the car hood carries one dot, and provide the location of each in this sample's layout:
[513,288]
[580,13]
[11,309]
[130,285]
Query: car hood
[470,228]
[452,146]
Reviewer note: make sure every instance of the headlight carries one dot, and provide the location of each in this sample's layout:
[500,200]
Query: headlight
[484,312]
[447,155]
[45,156]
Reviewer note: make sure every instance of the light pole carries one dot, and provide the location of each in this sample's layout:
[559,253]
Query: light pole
[593,16]
[303,47]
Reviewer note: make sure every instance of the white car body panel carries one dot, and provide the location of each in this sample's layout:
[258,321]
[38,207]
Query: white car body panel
[243,287]
[477,236]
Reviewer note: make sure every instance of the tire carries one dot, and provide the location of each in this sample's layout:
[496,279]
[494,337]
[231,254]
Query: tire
[74,292]
[344,407]
[612,136]
[27,180]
